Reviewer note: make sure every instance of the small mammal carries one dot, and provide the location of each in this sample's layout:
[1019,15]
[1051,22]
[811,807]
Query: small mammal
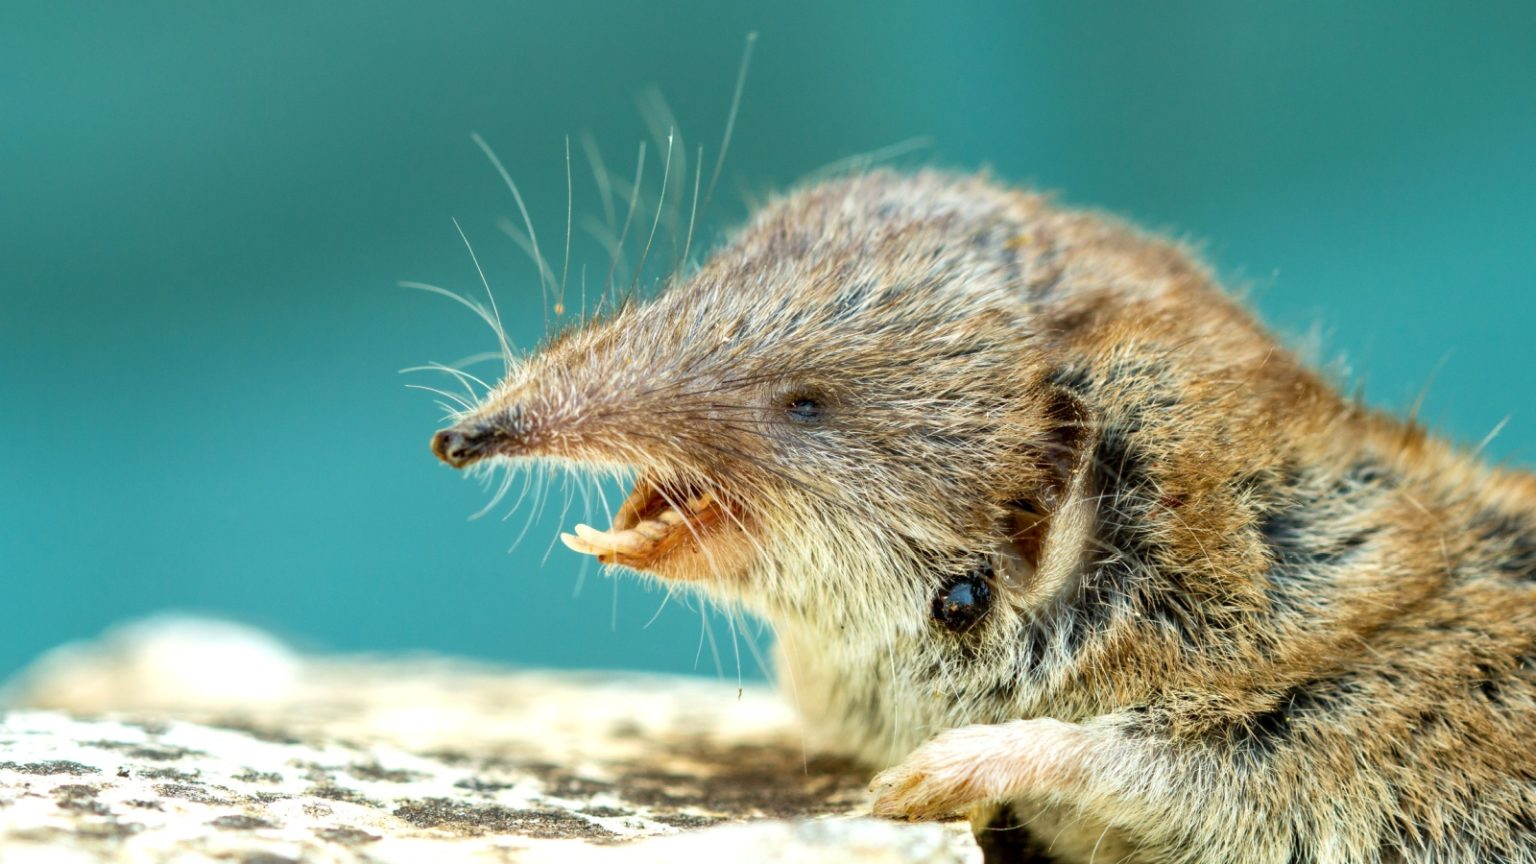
[1054,534]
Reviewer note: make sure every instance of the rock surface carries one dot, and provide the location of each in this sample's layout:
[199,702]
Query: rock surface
[187,741]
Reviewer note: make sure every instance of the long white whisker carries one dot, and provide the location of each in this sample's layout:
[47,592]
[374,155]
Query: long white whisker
[698,170]
[795,701]
[600,174]
[613,612]
[666,171]
[583,291]
[540,488]
[1492,434]
[464,378]
[606,238]
[862,161]
[570,209]
[527,474]
[730,623]
[489,295]
[546,278]
[754,649]
[730,120]
[666,598]
[565,511]
[474,359]
[466,405]
[629,216]
[714,649]
[501,492]
[661,122]
[480,311]
[586,480]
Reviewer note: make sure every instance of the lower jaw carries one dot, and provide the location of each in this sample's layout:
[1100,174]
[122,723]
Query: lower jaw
[705,545]
[683,528]
[720,570]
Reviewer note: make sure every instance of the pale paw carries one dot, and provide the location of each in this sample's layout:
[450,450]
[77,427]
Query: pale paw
[942,778]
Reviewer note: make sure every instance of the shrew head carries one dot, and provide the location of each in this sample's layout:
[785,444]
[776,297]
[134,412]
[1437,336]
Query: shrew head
[844,400]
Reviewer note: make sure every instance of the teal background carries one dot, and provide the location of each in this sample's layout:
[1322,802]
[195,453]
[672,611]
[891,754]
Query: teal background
[205,209]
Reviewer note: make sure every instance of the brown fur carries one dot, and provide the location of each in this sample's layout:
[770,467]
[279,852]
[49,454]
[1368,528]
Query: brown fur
[1233,617]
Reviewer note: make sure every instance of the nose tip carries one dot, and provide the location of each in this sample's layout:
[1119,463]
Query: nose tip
[454,447]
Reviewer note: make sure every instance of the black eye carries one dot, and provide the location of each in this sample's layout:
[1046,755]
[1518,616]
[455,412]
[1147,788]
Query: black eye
[803,409]
[963,600]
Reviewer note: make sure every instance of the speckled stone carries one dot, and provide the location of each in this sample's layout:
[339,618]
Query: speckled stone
[145,747]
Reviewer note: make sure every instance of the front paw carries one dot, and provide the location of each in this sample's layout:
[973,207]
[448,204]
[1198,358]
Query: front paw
[942,778]
[974,765]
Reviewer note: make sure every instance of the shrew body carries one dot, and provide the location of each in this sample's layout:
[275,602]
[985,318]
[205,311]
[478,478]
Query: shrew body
[1053,532]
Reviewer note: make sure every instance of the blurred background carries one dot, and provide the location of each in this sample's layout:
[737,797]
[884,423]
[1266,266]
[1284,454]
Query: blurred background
[206,209]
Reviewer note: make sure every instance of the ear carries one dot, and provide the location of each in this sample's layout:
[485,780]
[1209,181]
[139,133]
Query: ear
[1051,522]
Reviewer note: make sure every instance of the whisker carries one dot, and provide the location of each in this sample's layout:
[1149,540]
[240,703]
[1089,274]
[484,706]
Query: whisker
[474,359]
[613,613]
[501,492]
[629,216]
[681,263]
[1492,434]
[666,598]
[570,209]
[714,648]
[863,161]
[534,483]
[600,174]
[666,171]
[554,540]
[730,120]
[493,321]
[730,621]
[464,405]
[661,122]
[464,378]
[489,295]
[545,277]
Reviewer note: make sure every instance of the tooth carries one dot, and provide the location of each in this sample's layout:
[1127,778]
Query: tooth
[701,502]
[611,541]
[592,535]
[576,544]
[670,516]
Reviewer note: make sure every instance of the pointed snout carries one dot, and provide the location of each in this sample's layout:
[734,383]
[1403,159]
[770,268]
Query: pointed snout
[504,431]
[459,448]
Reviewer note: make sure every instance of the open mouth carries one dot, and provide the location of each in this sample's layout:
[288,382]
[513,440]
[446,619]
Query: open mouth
[655,522]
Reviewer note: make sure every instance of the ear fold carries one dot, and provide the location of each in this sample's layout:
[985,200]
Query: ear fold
[1050,525]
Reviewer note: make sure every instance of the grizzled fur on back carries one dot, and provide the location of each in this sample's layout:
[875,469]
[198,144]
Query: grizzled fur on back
[1287,628]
